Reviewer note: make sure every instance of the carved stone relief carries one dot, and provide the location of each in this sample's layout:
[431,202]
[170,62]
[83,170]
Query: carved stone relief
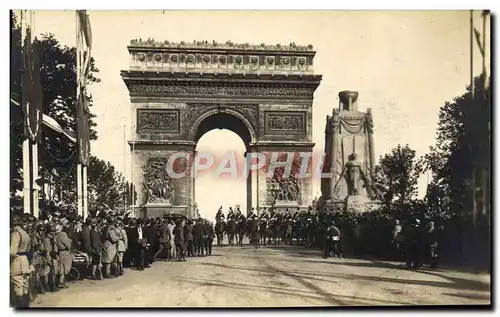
[179,90]
[158,187]
[285,122]
[157,120]
[285,189]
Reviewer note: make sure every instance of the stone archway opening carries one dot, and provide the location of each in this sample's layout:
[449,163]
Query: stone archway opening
[224,137]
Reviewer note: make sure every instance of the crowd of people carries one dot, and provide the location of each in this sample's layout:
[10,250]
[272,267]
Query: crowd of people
[46,253]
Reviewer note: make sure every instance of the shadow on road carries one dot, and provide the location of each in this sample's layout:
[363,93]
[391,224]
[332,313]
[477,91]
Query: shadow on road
[292,292]
[452,282]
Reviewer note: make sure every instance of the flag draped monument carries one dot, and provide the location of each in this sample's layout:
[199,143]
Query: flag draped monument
[349,158]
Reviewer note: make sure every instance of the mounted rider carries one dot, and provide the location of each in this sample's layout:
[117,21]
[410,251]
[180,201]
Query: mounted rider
[239,215]
[219,215]
[230,214]
[252,214]
[265,215]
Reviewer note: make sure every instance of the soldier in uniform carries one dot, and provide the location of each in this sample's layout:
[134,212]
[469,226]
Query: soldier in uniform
[412,235]
[95,249]
[46,256]
[109,252]
[163,237]
[65,257]
[252,213]
[121,246]
[188,237]
[210,234]
[37,260]
[219,215]
[19,263]
[199,237]
[179,241]
[431,244]
[29,227]
[331,240]
[230,214]
[264,215]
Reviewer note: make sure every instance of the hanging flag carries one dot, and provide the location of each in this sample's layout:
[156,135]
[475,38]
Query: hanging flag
[53,124]
[83,131]
[83,48]
[32,97]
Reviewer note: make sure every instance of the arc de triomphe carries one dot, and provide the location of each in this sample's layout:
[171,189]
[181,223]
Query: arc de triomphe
[180,91]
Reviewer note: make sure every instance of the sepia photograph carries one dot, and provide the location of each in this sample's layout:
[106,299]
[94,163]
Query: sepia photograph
[250,159]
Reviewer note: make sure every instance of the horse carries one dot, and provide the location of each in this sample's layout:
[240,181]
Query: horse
[240,230]
[253,233]
[220,226]
[274,230]
[230,230]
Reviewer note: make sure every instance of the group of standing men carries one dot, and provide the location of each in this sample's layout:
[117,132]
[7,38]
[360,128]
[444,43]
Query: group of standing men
[45,254]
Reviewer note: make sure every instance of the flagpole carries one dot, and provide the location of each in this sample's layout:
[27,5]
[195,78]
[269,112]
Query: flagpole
[125,171]
[26,143]
[80,137]
[484,136]
[85,194]
[35,168]
[132,178]
[473,98]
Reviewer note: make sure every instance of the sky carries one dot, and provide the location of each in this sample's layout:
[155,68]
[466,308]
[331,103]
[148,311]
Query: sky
[404,64]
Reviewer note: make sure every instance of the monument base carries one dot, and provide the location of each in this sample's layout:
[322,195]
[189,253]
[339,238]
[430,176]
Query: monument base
[351,204]
[282,206]
[158,210]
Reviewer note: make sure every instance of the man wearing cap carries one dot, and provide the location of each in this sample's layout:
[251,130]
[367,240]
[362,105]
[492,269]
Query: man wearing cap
[163,237]
[121,246]
[188,237]
[109,251]
[85,235]
[199,240]
[65,257]
[179,240]
[19,263]
[37,260]
[210,234]
[95,249]
[50,258]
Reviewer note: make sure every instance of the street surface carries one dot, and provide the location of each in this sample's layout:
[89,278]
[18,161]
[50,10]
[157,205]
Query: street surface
[274,276]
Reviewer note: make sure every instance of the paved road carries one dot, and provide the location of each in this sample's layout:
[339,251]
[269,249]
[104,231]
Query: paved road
[281,276]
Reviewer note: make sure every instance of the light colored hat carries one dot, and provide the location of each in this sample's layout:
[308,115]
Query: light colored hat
[58,228]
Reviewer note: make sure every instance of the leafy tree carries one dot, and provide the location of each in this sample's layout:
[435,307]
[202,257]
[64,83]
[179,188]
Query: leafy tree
[57,154]
[106,185]
[396,176]
[460,145]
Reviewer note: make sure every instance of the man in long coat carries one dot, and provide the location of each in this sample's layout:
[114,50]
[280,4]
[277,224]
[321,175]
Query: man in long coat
[65,257]
[19,263]
[121,246]
[109,252]
[95,249]
[199,237]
